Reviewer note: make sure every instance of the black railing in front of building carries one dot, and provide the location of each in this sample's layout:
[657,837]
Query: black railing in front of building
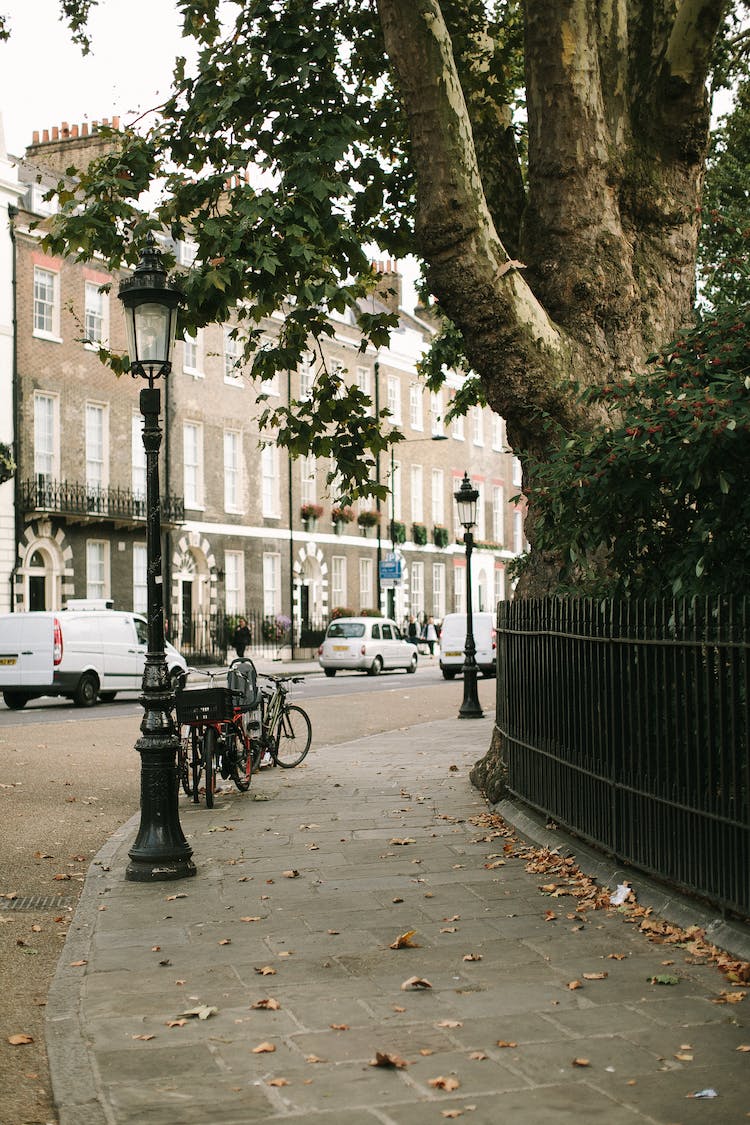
[72,498]
[208,638]
[629,724]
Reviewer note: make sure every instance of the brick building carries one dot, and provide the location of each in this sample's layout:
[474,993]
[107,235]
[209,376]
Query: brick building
[246,530]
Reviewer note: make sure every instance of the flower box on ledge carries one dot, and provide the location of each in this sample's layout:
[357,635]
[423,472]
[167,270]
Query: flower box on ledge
[311,513]
[398,534]
[440,535]
[419,534]
[368,519]
[340,517]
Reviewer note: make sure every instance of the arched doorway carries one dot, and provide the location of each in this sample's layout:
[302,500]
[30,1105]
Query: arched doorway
[193,598]
[45,571]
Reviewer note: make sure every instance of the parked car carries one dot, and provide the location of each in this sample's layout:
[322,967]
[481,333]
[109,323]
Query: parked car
[365,644]
[81,654]
[453,638]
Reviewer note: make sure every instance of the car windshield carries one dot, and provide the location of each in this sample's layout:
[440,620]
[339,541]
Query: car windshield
[346,629]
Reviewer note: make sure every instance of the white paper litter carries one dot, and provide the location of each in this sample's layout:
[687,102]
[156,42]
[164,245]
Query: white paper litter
[622,892]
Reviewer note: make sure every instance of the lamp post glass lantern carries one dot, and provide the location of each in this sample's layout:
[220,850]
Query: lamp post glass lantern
[466,501]
[160,850]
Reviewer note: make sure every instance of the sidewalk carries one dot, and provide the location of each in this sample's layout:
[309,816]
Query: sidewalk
[285,935]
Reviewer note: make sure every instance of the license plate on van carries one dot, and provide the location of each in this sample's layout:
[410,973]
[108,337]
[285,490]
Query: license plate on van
[452,654]
[7,659]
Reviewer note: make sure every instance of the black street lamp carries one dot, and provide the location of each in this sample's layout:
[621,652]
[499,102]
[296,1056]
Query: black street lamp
[466,501]
[160,850]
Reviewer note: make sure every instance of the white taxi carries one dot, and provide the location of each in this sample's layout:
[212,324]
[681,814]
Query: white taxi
[365,644]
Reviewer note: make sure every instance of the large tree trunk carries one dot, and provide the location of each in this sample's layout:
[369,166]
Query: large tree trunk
[618,131]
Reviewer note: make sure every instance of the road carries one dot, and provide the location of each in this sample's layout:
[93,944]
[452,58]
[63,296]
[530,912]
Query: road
[69,778]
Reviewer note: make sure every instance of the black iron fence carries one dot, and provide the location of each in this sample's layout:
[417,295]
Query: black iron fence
[629,724]
[72,498]
[205,638]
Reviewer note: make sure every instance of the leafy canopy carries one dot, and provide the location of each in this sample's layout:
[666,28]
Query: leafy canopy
[658,499]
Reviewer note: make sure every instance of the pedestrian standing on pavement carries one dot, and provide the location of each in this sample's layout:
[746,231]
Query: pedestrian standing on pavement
[412,631]
[430,634]
[242,637]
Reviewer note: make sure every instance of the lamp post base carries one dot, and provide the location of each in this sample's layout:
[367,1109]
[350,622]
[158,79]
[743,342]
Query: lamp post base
[471,707]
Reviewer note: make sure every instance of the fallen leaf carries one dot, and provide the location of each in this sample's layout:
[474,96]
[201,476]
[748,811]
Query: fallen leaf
[266,971]
[144,1038]
[472,957]
[156,949]
[334,933]
[176,1023]
[495,864]
[415,983]
[403,941]
[449,930]
[664,978]
[171,898]
[251,918]
[397,1009]
[314,1059]
[729,998]
[616,956]
[580,1062]
[264,1049]
[77,964]
[549,916]
[745,1047]
[572,985]
[506,1043]
[20,1040]
[425,1051]
[267,1003]
[225,941]
[452,769]
[684,1057]
[402,842]
[453,918]
[292,874]
[595,976]
[339,1026]
[277,1082]
[477,1056]
[385,1059]
[200,1012]
[449,1023]
[442,1083]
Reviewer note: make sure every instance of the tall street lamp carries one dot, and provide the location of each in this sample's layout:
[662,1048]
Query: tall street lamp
[466,501]
[160,850]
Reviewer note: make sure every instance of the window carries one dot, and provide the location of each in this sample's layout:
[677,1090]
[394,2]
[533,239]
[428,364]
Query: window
[338,581]
[415,407]
[518,531]
[395,486]
[234,582]
[46,448]
[394,398]
[387,631]
[364,382]
[436,414]
[193,357]
[479,532]
[417,588]
[271,585]
[438,497]
[498,513]
[97,569]
[417,508]
[46,303]
[232,353]
[499,584]
[477,425]
[498,425]
[457,428]
[140,592]
[459,588]
[96,446]
[338,380]
[308,472]
[192,438]
[96,313]
[438,591]
[269,468]
[306,376]
[517,472]
[138,460]
[365,583]
[232,471]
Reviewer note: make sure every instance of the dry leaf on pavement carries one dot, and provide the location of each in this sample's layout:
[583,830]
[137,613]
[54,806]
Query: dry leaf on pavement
[268,1004]
[580,1062]
[201,1012]
[266,971]
[144,1038]
[403,941]
[506,1043]
[277,1082]
[443,1083]
[472,957]
[264,1049]
[20,1040]
[386,1059]
[292,874]
[449,1023]
[415,983]
[595,976]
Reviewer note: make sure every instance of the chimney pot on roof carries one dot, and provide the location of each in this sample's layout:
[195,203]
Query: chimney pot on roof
[45,135]
[35,137]
[85,129]
[74,130]
[55,133]
[64,130]
[115,122]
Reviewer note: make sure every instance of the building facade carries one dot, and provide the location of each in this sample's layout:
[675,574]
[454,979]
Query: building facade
[247,530]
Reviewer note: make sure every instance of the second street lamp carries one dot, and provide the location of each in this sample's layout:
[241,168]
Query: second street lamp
[160,850]
[466,502]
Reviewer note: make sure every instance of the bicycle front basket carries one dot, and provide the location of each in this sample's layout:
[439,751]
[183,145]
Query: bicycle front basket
[204,705]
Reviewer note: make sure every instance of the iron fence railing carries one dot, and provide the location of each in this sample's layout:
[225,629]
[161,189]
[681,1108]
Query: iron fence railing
[629,724]
[73,498]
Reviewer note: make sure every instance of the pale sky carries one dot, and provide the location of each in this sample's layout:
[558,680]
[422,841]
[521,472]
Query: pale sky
[45,80]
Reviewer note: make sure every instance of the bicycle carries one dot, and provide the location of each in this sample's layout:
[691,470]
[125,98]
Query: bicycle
[213,735]
[285,729]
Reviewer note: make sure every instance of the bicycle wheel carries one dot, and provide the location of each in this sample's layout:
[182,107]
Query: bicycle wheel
[196,765]
[294,735]
[239,760]
[183,762]
[209,761]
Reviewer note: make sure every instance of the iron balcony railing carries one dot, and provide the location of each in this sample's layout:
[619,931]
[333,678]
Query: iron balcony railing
[629,724]
[83,502]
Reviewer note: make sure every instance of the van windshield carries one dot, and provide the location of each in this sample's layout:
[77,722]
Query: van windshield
[346,629]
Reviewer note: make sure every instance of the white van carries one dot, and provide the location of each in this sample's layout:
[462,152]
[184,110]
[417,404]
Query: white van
[453,638]
[81,654]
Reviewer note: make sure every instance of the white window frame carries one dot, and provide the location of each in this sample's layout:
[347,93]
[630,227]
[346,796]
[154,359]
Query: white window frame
[140,578]
[438,591]
[96,315]
[417,494]
[479,529]
[308,469]
[477,425]
[46,437]
[416,407]
[416,588]
[457,428]
[271,584]
[438,498]
[499,585]
[366,596]
[97,557]
[393,398]
[232,471]
[192,465]
[232,354]
[192,363]
[395,486]
[306,376]
[234,582]
[338,580]
[364,382]
[459,589]
[96,416]
[46,304]
[437,426]
[517,472]
[269,465]
[498,432]
[518,539]
[137,459]
[498,513]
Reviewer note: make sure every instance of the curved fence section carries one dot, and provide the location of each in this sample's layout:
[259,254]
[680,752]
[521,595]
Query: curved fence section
[628,723]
